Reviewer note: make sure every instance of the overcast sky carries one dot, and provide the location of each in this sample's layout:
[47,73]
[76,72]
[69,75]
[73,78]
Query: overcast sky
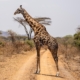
[65,15]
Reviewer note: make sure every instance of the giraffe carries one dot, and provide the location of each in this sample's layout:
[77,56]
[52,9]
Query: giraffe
[41,37]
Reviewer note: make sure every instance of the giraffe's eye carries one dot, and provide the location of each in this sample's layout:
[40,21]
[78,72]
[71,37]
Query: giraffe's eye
[19,10]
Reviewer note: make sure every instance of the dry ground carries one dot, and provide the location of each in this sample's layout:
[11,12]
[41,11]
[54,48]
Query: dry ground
[23,67]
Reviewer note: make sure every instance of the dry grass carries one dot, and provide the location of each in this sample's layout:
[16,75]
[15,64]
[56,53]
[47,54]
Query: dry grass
[71,57]
[10,49]
[69,54]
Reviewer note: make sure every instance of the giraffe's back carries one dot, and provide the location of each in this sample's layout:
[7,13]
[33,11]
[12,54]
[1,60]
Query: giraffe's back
[45,39]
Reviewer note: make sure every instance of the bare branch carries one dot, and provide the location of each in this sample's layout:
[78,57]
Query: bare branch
[78,29]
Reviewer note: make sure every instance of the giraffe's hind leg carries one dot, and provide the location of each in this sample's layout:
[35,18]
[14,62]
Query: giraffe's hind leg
[56,62]
[55,57]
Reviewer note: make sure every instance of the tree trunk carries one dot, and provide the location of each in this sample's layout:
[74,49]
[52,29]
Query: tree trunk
[26,32]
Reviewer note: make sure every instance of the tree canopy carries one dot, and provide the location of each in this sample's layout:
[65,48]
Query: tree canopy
[77,37]
[42,20]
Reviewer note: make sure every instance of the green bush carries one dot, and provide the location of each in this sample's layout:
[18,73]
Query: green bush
[77,39]
[1,44]
[66,40]
[30,43]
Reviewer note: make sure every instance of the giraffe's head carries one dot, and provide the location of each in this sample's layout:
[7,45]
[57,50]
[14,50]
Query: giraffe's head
[19,10]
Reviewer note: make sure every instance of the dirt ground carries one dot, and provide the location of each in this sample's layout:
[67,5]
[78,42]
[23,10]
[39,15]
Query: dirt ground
[23,67]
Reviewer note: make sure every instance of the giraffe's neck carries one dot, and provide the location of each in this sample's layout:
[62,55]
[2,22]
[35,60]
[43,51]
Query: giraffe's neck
[33,23]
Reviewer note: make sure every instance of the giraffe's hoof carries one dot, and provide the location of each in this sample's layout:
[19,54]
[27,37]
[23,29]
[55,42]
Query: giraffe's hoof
[57,74]
[37,72]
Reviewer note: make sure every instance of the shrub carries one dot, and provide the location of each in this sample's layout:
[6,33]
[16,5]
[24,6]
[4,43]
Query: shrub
[1,44]
[66,40]
[77,39]
[30,43]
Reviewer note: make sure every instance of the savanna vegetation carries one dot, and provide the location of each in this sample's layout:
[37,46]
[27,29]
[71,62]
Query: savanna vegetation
[69,45]
[69,52]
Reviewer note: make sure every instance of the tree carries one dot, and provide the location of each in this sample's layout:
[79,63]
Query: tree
[12,35]
[0,32]
[78,29]
[42,20]
[77,38]
[23,23]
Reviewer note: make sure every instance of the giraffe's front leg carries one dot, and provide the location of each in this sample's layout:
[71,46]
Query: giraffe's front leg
[38,58]
[38,65]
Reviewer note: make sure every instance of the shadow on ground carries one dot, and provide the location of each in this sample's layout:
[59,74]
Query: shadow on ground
[50,75]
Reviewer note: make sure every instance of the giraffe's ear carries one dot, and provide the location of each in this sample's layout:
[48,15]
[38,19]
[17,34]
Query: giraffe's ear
[21,6]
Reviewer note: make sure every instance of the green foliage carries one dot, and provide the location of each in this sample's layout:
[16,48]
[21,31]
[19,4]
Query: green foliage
[1,43]
[68,36]
[68,39]
[30,43]
[77,39]
[77,36]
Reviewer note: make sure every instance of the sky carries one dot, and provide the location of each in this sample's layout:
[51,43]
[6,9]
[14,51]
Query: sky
[64,14]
